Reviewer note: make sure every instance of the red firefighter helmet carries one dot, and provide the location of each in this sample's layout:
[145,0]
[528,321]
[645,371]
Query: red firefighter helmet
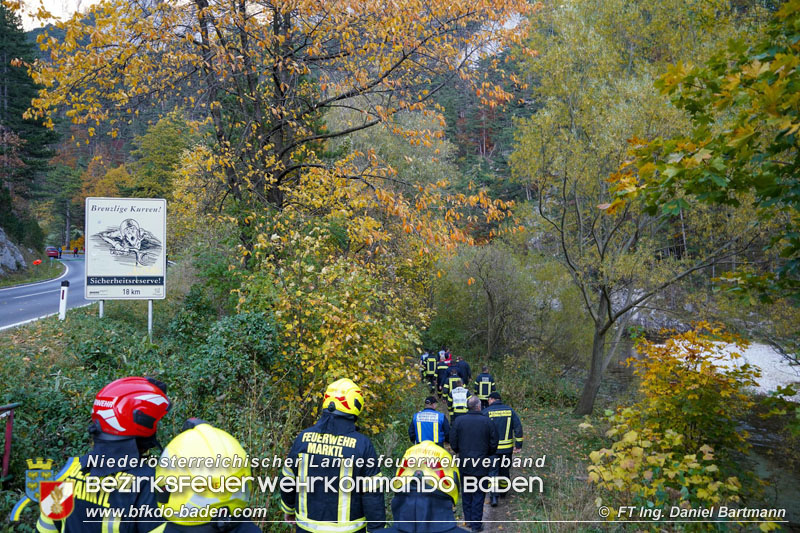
[131,407]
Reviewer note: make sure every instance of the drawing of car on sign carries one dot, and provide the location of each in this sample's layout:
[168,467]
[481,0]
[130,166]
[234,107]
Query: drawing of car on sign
[129,243]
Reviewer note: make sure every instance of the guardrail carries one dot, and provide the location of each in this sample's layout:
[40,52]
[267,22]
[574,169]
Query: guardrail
[7,412]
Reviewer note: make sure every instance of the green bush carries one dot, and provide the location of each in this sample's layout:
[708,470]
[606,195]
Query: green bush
[537,382]
[223,378]
[680,444]
[251,336]
[212,262]
[190,324]
[106,348]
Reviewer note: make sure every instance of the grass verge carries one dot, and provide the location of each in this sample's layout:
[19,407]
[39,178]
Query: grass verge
[49,269]
[552,433]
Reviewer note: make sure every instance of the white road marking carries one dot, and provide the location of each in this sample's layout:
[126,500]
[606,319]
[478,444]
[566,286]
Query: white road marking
[36,294]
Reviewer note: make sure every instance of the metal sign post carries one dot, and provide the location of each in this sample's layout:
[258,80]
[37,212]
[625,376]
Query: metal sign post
[101,308]
[150,319]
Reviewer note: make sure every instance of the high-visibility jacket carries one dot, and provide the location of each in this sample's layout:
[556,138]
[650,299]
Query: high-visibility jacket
[430,365]
[85,502]
[449,383]
[457,400]
[509,427]
[442,371]
[429,424]
[484,386]
[320,452]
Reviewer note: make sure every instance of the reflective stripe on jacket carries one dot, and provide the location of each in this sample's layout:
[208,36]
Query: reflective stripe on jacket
[429,424]
[330,450]
[484,386]
[508,424]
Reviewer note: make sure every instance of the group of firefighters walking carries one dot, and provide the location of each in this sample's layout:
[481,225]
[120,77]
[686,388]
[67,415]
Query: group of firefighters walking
[124,421]
[480,426]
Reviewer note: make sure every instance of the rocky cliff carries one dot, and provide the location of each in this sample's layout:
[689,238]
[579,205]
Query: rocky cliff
[11,258]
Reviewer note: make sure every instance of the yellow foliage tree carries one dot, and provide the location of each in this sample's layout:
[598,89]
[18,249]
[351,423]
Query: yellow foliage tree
[679,445]
[695,384]
[263,74]
[338,247]
[344,307]
[108,184]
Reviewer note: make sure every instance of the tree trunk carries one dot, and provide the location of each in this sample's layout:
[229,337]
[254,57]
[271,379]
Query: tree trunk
[683,233]
[67,224]
[490,325]
[592,385]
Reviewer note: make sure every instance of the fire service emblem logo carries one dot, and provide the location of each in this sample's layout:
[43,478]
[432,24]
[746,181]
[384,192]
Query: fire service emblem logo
[56,500]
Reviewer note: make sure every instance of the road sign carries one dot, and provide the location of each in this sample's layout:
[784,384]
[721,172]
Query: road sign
[125,248]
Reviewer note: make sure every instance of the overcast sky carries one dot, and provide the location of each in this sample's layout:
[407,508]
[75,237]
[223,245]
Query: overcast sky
[59,8]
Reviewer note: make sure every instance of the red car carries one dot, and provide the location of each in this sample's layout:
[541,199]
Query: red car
[51,251]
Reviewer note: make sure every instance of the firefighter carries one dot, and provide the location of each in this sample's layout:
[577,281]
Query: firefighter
[448,357]
[125,418]
[457,400]
[422,359]
[463,369]
[429,364]
[429,424]
[429,510]
[327,450]
[509,431]
[484,386]
[442,371]
[474,438]
[215,509]
[450,382]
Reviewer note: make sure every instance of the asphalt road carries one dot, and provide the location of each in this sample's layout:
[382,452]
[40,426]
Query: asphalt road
[28,302]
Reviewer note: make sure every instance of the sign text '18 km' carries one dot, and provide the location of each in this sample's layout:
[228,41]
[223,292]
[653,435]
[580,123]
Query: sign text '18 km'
[125,248]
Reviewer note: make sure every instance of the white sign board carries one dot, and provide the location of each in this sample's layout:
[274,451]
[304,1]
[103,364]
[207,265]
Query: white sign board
[125,248]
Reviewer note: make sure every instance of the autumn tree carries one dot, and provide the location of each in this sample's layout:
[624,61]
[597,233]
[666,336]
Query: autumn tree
[594,91]
[741,148]
[264,74]
[411,161]
[338,242]
[156,157]
[111,184]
